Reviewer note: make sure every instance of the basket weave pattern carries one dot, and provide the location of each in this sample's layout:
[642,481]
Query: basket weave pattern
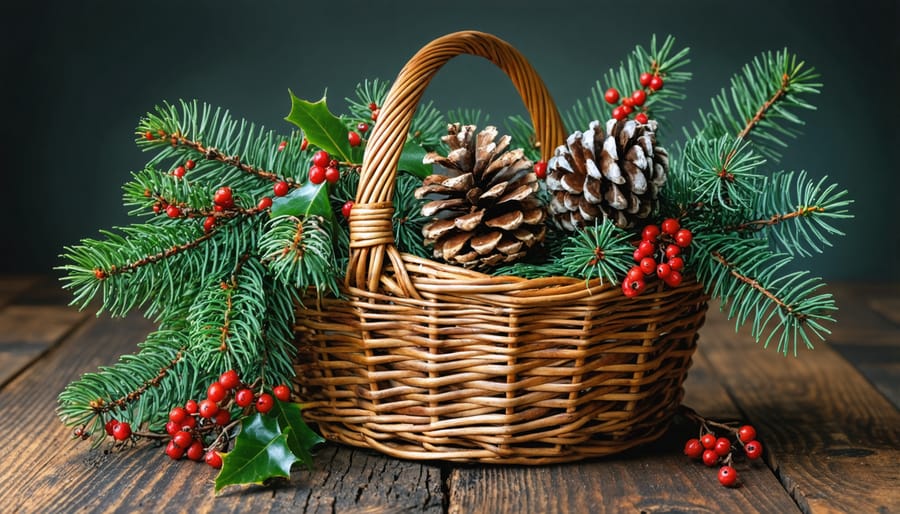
[423,360]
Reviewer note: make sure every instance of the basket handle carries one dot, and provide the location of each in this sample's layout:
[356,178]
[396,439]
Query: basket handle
[371,231]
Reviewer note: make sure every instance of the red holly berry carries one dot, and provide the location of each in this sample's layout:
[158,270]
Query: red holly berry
[639,97]
[618,113]
[216,392]
[317,174]
[722,447]
[635,273]
[332,175]
[727,476]
[354,139]
[693,449]
[213,459]
[648,265]
[641,118]
[663,270]
[218,208]
[633,288]
[189,164]
[264,203]
[645,79]
[670,226]
[244,398]
[281,188]
[173,451]
[264,403]
[628,101]
[304,144]
[156,208]
[710,457]
[321,159]
[638,255]
[173,428]
[672,251]
[173,211]
[110,425]
[746,433]
[183,439]
[99,274]
[676,263]
[540,169]
[627,108]
[208,408]
[373,106]
[674,279]
[282,145]
[191,406]
[222,418]
[683,238]
[611,95]
[121,431]
[753,449]
[178,172]
[178,414]
[148,136]
[346,208]
[646,248]
[209,223]
[708,441]
[224,197]
[375,114]
[229,379]
[282,392]
[656,83]
[362,127]
[189,423]
[650,233]
[195,451]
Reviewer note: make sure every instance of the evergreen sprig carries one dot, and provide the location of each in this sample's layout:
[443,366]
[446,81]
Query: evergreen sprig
[601,251]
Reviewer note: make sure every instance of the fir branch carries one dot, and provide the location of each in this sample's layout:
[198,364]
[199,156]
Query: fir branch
[300,253]
[468,116]
[101,406]
[722,172]
[599,251]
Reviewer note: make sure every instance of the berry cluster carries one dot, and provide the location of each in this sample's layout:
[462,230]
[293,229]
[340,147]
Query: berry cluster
[373,107]
[650,83]
[658,254]
[713,450]
[324,168]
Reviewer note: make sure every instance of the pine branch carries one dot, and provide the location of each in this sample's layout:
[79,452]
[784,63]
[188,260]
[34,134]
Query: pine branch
[721,172]
[300,253]
[600,251]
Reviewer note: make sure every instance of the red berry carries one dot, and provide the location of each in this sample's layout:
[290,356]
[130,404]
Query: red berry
[317,174]
[224,197]
[708,441]
[178,172]
[645,79]
[183,439]
[156,208]
[641,118]
[209,223]
[646,248]
[674,279]
[753,449]
[304,144]
[264,203]
[656,83]
[213,459]
[650,233]
[628,101]
[346,208]
[670,226]
[618,113]
[362,127]
[216,392]
[264,403]
[121,431]
[633,288]
[683,238]
[648,265]
[229,379]
[244,398]
[99,274]
[282,392]
[173,211]
[354,139]
[218,208]
[639,97]
[727,476]
[195,451]
[223,417]
[611,95]
[627,109]
[635,273]
[710,457]
[178,414]
[191,406]
[638,255]
[373,106]
[282,145]
[208,408]
[188,423]
[173,451]
[321,159]
[148,136]
[693,448]
[672,251]
[332,174]
[663,270]
[746,433]
[173,428]
[110,425]
[540,169]
[375,114]
[189,164]
[676,263]
[280,188]
[722,447]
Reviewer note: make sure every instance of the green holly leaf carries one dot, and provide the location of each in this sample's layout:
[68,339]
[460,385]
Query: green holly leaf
[411,160]
[323,129]
[260,452]
[301,438]
[310,199]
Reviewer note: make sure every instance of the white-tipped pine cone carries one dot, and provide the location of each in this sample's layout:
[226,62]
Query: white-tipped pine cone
[616,175]
[483,201]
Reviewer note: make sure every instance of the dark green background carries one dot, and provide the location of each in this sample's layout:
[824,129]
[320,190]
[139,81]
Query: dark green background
[77,78]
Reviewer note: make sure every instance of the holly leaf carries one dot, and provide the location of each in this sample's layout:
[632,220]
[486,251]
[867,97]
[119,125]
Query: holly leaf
[322,128]
[310,199]
[260,452]
[411,160]
[301,438]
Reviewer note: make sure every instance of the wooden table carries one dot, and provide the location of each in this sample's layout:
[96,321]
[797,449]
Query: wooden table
[829,421]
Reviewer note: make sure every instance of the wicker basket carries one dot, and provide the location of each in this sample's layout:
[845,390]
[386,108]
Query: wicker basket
[422,360]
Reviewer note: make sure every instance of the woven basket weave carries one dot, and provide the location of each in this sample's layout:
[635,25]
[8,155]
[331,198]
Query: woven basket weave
[422,360]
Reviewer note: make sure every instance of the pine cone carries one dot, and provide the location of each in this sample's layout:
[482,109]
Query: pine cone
[484,202]
[617,176]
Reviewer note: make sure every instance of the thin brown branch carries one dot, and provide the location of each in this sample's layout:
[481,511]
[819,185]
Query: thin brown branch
[756,285]
[752,122]
[776,219]
[100,406]
[229,288]
[102,274]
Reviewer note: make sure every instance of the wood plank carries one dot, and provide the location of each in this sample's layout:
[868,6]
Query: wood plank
[834,441]
[51,473]
[27,332]
[657,478]
[12,285]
